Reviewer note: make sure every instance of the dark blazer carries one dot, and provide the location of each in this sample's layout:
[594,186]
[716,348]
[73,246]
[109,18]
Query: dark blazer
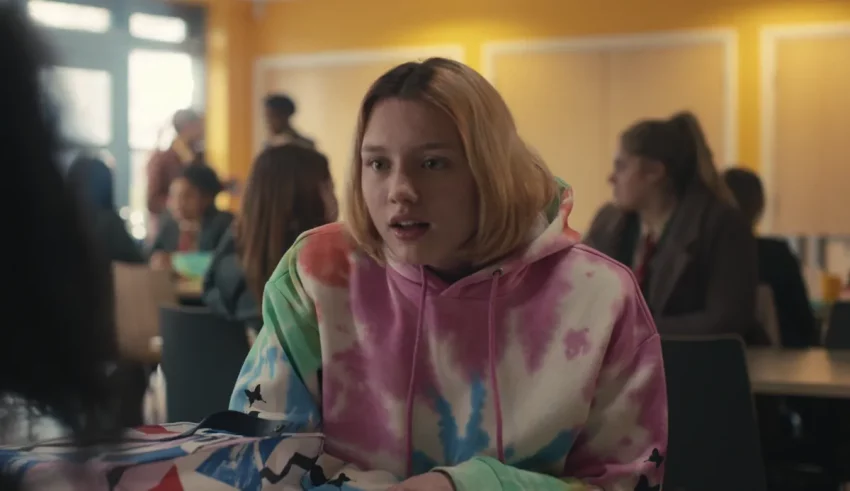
[110,231]
[225,290]
[779,268]
[704,276]
[213,228]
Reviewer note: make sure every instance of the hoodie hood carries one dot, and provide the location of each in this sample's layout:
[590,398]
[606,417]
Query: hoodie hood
[550,234]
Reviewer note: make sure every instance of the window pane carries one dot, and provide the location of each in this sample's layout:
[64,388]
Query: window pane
[136,214]
[158,28]
[69,15]
[86,100]
[161,82]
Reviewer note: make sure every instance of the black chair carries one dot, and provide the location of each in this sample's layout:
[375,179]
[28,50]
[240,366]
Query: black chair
[202,354]
[713,435]
[838,329]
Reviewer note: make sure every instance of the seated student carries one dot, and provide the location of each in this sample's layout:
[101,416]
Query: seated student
[778,267]
[194,222]
[91,179]
[675,224]
[452,333]
[289,192]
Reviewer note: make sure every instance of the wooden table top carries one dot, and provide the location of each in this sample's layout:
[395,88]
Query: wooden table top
[190,288]
[811,372]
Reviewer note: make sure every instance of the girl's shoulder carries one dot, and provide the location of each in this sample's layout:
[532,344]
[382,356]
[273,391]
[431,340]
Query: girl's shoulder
[322,255]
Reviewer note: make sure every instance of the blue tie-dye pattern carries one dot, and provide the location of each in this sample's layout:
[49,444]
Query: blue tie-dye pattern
[265,355]
[552,453]
[301,409]
[239,470]
[15,464]
[266,447]
[456,448]
[145,457]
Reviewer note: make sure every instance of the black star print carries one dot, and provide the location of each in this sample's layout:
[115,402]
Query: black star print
[339,480]
[254,396]
[643,485]
[656,458]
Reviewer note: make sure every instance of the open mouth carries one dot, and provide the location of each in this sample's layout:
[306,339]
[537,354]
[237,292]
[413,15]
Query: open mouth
[409,229]
[409,225]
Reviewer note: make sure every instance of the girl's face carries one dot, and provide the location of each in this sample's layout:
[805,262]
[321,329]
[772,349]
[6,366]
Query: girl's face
[185,201]
[634,180]
[417,184]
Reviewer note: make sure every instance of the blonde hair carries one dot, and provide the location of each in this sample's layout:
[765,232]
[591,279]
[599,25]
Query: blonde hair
[514,185]
[680,144]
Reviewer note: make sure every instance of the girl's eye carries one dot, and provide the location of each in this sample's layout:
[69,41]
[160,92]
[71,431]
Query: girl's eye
[377,165]
[433,164]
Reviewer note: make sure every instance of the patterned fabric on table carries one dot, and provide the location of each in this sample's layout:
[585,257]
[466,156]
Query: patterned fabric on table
[163,458]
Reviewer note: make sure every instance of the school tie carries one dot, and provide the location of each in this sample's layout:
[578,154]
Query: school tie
[649,246]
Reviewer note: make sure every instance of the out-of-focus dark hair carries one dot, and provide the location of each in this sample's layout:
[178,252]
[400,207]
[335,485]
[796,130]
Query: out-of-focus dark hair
[679,143]
[91,179]
[183,117]
[203,177]
[57,339]
[748,191]
[283,198]
[280,104]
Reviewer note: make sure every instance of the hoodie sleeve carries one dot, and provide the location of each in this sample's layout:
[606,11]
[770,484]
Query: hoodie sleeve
[281,376]
[623,443]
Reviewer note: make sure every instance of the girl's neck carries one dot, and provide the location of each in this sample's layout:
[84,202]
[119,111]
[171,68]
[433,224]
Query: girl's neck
[656,213]
[453,275]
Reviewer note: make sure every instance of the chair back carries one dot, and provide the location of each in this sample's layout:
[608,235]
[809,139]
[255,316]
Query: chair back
[713,435]
[139,293]
[766,314]
[838,328]
[202,354]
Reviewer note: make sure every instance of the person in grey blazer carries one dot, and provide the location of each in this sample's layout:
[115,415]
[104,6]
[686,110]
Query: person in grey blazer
[675,223]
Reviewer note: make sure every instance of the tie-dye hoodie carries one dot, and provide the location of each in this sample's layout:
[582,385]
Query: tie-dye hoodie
[541,372]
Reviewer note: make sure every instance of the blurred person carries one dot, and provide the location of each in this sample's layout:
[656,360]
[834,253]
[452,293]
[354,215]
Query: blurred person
[674,222]
[58,339]
[778,267]
[289,192]
[92,179]
[165,165]
[193,223]
[279,111]
[451,333]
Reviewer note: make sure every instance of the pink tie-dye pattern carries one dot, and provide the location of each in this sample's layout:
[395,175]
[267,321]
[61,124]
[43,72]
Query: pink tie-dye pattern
[539,319]
[386,337]
[576,343]
[362,421]
[457,324]
[332,388]
[625,353]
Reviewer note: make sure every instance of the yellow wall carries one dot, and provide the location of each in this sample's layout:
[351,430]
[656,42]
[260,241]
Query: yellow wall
[230,47]
[321,25]
[229,86]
